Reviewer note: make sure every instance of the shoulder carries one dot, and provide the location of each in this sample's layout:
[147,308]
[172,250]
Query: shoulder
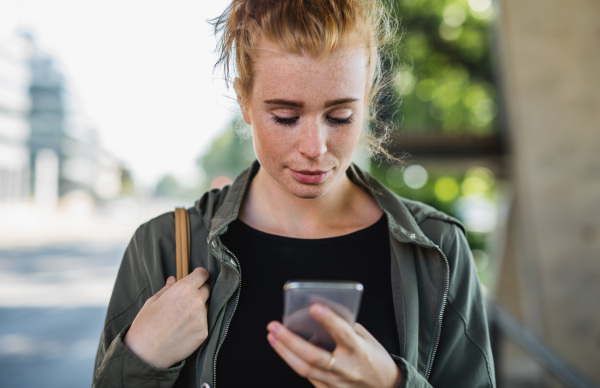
[449,236]
[157,226]
[211,201]
[425,214]
[444,232]
[407,217]
[414,222]
[442,229]
[220,206]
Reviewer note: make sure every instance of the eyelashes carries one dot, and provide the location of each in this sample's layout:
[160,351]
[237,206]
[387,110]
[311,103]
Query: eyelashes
[286,121]
[338,121]
[291,121]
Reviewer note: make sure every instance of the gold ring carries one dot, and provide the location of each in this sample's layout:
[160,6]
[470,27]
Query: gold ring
[331,362]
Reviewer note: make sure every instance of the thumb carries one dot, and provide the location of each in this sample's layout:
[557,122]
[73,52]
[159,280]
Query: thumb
[168,284]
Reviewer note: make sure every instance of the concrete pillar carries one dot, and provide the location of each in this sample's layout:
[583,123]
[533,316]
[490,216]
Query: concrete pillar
[550,54]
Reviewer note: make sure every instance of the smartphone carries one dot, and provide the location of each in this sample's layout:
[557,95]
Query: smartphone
[343,297]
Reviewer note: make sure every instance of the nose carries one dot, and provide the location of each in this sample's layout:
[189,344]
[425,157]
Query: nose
[313,141]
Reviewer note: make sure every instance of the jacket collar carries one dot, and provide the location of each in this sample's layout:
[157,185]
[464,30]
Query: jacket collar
[229,209]
[402,223]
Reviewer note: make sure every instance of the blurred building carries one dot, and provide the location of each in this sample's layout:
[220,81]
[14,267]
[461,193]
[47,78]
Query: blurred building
[14,126]
[64,150]
[49,148]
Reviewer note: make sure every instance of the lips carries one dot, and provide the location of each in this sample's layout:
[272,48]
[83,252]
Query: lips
[310,177]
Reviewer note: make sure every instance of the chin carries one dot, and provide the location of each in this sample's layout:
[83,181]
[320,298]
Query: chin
[312,192]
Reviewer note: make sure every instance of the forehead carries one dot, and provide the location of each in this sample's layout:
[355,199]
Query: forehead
[340,74]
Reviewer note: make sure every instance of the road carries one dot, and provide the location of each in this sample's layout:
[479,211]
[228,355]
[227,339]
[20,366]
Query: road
[52,305]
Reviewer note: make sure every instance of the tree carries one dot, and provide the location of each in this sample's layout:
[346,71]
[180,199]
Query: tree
[444,73]
[229,154]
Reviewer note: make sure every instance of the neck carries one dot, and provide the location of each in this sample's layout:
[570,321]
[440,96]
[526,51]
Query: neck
[343,209]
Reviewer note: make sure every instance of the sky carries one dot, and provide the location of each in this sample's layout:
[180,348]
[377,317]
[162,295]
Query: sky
[142,70]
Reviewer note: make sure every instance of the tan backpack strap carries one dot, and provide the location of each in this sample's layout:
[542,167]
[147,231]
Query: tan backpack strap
[182,242]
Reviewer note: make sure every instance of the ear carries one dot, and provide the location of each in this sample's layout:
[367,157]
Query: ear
[242,100]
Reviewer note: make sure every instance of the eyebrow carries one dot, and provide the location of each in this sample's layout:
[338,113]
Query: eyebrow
[298,104]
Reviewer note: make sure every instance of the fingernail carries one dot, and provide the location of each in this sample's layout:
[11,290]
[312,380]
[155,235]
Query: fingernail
[273,328]
[271,338]
[170,280]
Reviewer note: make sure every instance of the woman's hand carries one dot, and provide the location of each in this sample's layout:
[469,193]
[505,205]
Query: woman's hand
[360,361]
[172,324]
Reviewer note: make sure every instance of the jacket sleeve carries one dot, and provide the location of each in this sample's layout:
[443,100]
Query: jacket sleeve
[139,276]
[410,376]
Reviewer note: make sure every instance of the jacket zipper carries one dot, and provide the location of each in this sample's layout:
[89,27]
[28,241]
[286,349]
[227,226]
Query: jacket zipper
[441,315]
[237,299]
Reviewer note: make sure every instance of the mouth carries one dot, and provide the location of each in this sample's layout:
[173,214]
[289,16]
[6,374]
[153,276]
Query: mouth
[312,177]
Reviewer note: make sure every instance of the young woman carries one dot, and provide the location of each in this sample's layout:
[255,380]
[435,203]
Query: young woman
[306,73]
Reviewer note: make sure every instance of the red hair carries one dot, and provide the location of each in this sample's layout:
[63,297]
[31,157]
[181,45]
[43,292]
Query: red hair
[304,27]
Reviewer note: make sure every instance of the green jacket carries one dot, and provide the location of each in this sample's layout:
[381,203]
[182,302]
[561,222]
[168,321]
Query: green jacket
[439,308]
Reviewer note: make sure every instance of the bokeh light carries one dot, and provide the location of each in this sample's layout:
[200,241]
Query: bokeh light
[415,176]
[480,5]
[404,81]
[446,189]
[394,176]
[454,15]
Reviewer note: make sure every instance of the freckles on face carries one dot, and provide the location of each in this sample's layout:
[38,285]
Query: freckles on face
[307,113]
[305,85]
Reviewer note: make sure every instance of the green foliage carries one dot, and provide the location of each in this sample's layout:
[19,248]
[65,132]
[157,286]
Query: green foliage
[168,186]
[228,155]
[444,77]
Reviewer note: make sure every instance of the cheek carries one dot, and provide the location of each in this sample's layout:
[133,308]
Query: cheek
[347,141]
[268,144]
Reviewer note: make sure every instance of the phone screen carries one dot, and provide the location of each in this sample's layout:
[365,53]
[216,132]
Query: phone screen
[343,297]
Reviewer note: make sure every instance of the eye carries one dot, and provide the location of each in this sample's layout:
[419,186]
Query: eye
[286,121]
[336,121]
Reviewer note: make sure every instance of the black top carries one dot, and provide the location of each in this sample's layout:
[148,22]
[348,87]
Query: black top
[267,261]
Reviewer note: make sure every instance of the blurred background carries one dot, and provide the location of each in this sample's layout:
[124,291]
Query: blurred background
[495,105]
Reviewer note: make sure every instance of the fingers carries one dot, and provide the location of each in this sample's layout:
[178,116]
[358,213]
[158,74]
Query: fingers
[198,277]
[170,281]
[361,331]
[205,291]
[307,360]
[197,280]
[341,331]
